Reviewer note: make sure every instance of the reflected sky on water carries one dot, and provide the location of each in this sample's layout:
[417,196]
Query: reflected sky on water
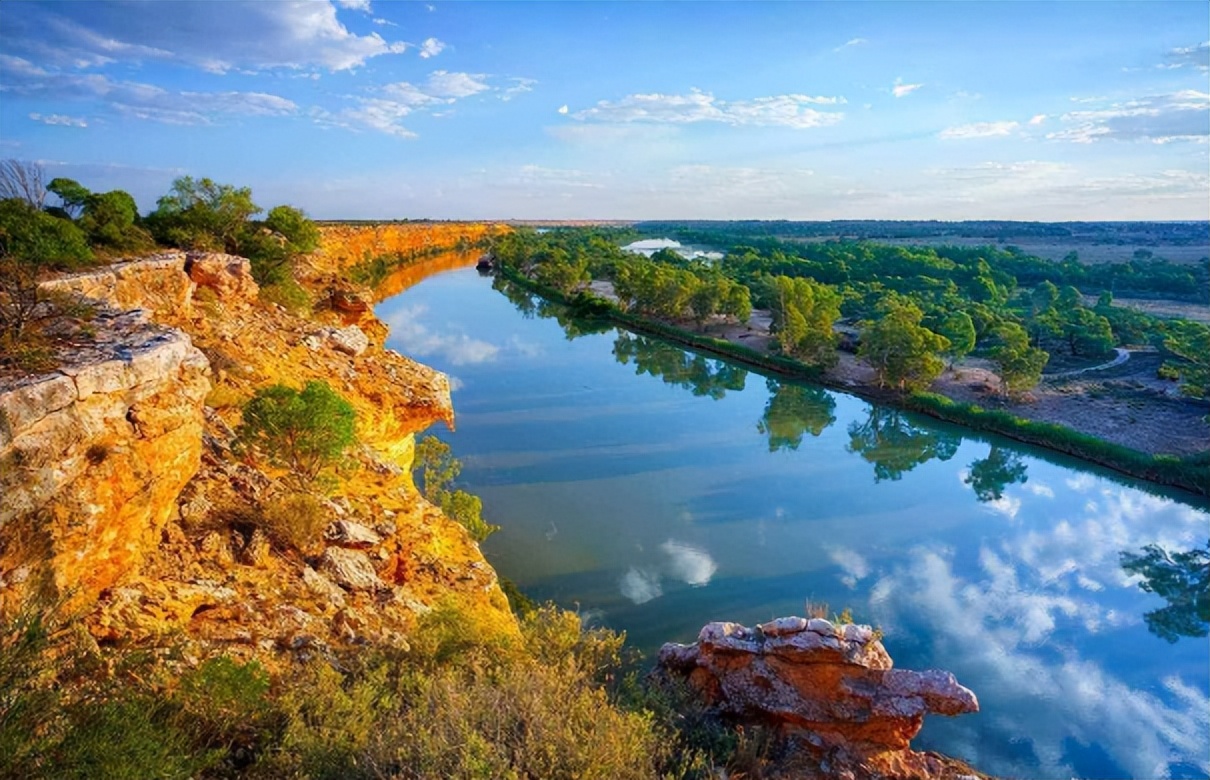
[655,490]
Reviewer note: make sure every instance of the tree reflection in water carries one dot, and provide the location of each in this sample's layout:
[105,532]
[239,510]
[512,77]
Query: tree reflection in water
[700,375]
[991,475]
[793,410]
[1183,580]
[895,446]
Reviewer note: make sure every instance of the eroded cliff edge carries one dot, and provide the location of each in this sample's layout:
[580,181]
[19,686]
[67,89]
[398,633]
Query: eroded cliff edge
[123,495]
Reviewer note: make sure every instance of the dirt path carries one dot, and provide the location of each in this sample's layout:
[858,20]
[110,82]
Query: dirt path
[1123,355]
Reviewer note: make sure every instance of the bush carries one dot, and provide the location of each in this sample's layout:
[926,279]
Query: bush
[306,432]
[37,239]
[439,468]
[297,520]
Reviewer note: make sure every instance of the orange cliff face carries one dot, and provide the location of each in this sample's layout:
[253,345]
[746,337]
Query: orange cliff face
[343,246]
[178,543]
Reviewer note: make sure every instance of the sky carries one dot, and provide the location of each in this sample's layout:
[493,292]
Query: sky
[367,109]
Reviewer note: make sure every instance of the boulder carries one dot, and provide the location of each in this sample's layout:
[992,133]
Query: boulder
[811,676]
[230,277]
[350,340]
[351,569]
[346,533]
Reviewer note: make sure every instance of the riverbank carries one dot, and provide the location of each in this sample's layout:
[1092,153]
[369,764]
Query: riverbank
[1061,419]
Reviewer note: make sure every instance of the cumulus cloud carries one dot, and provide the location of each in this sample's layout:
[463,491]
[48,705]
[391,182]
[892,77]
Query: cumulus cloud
[1037,119]
[978,130]
[1179,116]
[1004,625]
[851,562]
[241,34]
[431,48]
[385,111]
[900,89]
[59,119]
[792,110]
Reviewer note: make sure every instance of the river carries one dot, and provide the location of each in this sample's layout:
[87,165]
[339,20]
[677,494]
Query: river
[655,490]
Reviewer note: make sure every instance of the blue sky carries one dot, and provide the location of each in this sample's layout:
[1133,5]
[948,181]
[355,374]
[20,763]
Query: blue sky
[370,109]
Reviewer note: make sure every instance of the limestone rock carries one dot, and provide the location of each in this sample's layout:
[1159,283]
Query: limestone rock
[157,283]
[346,533]
[350,569]
[834,682]
[323,587]
[98,452]
[230,277]
[349,340]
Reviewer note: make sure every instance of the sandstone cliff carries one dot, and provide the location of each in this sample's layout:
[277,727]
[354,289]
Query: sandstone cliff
[121,488]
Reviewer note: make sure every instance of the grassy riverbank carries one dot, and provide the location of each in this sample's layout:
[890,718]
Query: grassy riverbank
[1191,473]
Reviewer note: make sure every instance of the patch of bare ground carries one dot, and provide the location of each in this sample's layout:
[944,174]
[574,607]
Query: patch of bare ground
[1126,405]
[1167,309]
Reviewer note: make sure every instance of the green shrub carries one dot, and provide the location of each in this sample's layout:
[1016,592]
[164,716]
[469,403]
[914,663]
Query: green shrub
[34,238]
[306,432]
[438,469]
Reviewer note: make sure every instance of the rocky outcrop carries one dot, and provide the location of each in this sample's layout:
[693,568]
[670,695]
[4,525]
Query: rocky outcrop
[342,246]
[93,455]
[156,283]
[829,687]
[230,277]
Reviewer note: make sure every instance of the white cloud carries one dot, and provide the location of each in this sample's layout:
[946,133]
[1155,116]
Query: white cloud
[385,111]
[1037,119]
[59,119]
[354,5]
[855,567]
[640,586]
[1178,116]
[978,130]
[243,35]
[697,106]
[563,109]
[417,340]
[1197,56]
[431,48]
[900,89]
[851,42]
[520,86]
[689,564]
[456,85]
[384,22]
[135,99]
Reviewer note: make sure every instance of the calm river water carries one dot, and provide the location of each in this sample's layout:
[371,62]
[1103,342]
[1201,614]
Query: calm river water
[656,490]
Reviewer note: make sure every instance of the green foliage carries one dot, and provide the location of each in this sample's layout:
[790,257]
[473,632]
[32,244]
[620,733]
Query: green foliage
[1190,341]
[305,432]
[202,214]
[1180,578]
[35,238]
[959,329]
[438,469]
[293,224]
[111,220]
[1020,364]
[902,351]
[72,194]
[803,314]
